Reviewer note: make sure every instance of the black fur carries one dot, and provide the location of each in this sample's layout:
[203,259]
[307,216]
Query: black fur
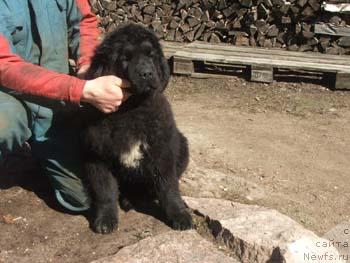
[143,124]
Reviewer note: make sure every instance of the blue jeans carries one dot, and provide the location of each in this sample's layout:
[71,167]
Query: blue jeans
[53,141]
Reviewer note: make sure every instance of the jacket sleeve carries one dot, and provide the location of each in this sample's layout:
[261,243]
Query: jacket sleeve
[25,77]
[83,31]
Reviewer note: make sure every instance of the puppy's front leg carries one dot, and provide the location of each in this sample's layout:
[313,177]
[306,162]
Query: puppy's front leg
[104,190]
[171,201]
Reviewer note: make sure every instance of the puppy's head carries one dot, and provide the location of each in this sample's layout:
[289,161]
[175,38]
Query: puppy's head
[132,52]
[142,64]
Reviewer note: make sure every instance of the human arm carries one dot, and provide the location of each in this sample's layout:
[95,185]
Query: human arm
[81,73]
[104,93]
[83,37]
[25,77]
[83,32]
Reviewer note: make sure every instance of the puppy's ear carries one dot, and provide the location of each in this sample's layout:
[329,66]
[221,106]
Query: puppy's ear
[104,61]
[95,71]
[165,72]
[99,64]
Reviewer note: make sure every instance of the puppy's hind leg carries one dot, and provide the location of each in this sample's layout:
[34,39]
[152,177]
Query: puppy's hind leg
[104,190]
[167,186]
[182,156]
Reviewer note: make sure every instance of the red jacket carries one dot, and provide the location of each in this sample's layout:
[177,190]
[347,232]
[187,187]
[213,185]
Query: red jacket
[63,27]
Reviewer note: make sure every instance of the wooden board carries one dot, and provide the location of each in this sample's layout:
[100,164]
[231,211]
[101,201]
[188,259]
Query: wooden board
[264,57]
[266,61]
[183,66]
[170,48]
[264,51]
[342,81]
[337,1]
[261,73]
[261,62]
[332,30]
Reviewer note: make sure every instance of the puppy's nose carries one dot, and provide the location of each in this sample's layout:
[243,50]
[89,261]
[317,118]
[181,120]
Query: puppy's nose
[146,74]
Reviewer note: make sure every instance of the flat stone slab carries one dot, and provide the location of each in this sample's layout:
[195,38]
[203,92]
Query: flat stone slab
[170,247]
[202,182]
[257,234]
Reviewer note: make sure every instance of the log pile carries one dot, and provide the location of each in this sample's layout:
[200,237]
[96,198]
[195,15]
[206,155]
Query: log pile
[265,23]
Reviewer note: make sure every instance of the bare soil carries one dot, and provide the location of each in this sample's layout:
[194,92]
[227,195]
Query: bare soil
[284,145]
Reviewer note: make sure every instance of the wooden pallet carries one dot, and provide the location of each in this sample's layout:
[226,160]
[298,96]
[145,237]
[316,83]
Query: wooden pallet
[261,62]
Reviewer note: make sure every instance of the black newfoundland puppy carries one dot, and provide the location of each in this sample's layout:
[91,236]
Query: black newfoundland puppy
[138,150]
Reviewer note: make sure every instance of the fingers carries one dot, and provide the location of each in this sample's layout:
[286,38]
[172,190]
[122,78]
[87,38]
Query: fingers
[82,71]
[126,95]
[112,107]
[122,83]
[109,109]
[105,93]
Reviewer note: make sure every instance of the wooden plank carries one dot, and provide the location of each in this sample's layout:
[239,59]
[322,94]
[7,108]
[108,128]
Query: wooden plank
[200,75]
[342,81]
[169,53]
[173,44]
[249,51]
[183,66]
[223,65]
[324,61]
[264,51]
[261,74]
[243,60]
[170,48]
[332,30]
[260,61]
[337,1]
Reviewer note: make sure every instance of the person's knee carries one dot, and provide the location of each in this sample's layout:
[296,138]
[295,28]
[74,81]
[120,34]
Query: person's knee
[14,130]
[70,190]
[76,202]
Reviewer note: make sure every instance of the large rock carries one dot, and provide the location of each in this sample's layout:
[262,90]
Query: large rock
[339,237]
[170,247]
[202,182]
[257,234]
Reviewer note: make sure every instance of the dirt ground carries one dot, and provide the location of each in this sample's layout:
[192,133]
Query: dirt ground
[284,145]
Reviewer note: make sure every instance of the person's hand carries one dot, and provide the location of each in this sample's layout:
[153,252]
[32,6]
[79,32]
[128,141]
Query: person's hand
[82,71]
[105,93]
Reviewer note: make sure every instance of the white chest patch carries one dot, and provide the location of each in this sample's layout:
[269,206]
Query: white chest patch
[132,158]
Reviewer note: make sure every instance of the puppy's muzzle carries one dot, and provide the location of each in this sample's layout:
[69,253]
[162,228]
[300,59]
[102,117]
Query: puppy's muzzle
[146,74]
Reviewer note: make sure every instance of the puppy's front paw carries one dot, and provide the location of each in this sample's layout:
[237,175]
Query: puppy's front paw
[105,224]
[182,221]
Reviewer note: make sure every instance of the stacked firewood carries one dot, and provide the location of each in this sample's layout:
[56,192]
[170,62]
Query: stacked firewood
[265,23]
